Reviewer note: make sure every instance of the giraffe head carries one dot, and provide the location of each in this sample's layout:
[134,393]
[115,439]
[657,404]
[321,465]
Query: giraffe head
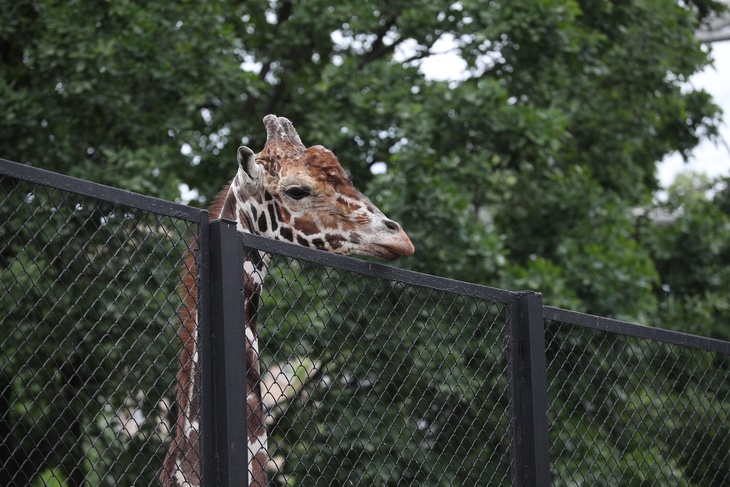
[302,195]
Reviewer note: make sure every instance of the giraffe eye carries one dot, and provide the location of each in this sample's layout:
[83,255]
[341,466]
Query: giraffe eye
[297,193]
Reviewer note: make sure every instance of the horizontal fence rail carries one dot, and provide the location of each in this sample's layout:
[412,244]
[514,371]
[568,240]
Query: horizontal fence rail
[371,374]
[68,184]
[638,331]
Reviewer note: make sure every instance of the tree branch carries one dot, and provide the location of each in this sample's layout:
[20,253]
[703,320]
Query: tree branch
[378,48]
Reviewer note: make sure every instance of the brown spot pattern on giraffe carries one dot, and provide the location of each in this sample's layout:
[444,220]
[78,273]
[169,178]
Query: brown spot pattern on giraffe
[348,205]
[329,172]
[335,241]
[284,215]
[306,225]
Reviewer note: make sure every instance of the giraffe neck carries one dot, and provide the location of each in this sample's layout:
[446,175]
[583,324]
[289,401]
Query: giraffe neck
[182,465]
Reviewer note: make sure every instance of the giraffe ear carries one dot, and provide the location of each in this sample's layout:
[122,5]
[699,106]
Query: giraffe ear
[247,162]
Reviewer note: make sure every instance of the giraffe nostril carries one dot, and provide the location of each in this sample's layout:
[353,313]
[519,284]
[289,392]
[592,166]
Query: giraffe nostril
[391,225]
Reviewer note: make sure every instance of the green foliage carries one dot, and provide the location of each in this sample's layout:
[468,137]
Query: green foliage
[50,478]
[535,169]
[410,385]
[591,243]
[88,308]
[655,412]
[689,239]
[539,153]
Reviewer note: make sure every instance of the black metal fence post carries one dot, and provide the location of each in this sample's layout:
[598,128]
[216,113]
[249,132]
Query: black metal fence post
[528,384]
[223,362]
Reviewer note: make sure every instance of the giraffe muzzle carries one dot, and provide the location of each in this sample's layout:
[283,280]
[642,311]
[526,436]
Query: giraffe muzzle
[391,243]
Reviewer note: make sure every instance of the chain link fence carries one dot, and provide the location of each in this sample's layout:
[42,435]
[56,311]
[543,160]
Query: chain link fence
[88,352]
[646,408]
[371,375]
[377,382]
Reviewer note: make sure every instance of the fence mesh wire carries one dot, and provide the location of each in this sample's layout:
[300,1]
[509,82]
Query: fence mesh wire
[367,381]
[88,352]
[374,382]
[632,411]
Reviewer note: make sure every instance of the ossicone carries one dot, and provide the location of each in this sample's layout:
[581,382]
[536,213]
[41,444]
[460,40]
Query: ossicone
[279,130]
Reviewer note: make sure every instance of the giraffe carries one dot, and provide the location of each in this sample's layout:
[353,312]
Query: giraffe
[287,192]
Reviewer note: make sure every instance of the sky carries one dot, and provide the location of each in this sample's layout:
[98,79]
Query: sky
[708,157]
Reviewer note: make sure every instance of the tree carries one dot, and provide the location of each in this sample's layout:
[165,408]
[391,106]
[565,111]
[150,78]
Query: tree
[527,172]
[687,235]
